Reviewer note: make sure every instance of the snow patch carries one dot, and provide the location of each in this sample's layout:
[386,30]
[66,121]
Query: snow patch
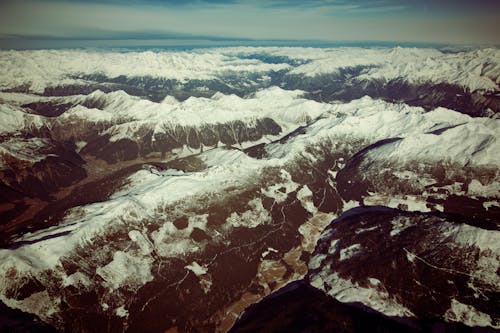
[399,224]
[15,119]
[19,150]
[350,251]
[316,261]
[268,251]
[347,291]
[40,303]
[279,191]
[197,269]
[126,270]
[251,218]
[305,196]
[410,203]
[476,188]
[121,312]
[142,241]
[467,314]
[77,279]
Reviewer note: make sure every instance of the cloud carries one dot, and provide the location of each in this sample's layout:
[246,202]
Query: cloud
[226,20]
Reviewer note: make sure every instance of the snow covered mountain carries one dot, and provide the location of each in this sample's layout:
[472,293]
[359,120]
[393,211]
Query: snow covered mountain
[169,191]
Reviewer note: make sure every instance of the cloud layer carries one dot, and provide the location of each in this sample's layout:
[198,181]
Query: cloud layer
[329,20]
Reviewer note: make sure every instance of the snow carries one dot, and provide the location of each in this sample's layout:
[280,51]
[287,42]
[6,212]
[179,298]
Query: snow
[18,99]
[414,177]
[468,315]
[466,235]
[470,69]
[171,242]
[478,145]
[44,68]
[488,204]
[197,269]
[23,150]
[130,114]
[221,156]
[80,145]
[38,69]
[316,262]
[305,196]
[333,248]
[399,224]
[251,218]
[126,269]
[347,291]
[349,251]
[349,205]
[142,241]
[477,247]
[476,188]
[279,191]
[362,230]
[411,202]
[121,312]
[80,112]
[268,251]
[15,119]
[77,279]
[373,120]
[40,303]
[364,121]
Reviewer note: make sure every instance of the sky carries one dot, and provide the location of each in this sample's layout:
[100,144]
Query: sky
[38,23]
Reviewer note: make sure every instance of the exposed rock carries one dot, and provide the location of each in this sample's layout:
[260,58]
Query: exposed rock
[424,266]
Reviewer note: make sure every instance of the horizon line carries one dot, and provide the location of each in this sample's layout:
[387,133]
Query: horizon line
[176,40]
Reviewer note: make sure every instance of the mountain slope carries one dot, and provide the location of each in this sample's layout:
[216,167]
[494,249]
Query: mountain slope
[142,194]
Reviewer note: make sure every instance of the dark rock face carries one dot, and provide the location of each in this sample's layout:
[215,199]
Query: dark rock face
[15,321]
[299,308]
[351,180]
[428,96]
[62,167]
[24,183]
[112,151]
[429,264]
[414,261]
[208,135]
[69,90]
[48,109]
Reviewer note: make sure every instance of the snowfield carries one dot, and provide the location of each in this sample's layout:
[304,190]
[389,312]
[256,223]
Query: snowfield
[472,70]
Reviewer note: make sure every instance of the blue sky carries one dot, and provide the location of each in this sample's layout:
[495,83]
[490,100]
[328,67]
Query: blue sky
[188,21]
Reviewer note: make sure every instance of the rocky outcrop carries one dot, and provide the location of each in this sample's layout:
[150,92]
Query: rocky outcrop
[424,266]
[383,269]
[299,307]
[175,137]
